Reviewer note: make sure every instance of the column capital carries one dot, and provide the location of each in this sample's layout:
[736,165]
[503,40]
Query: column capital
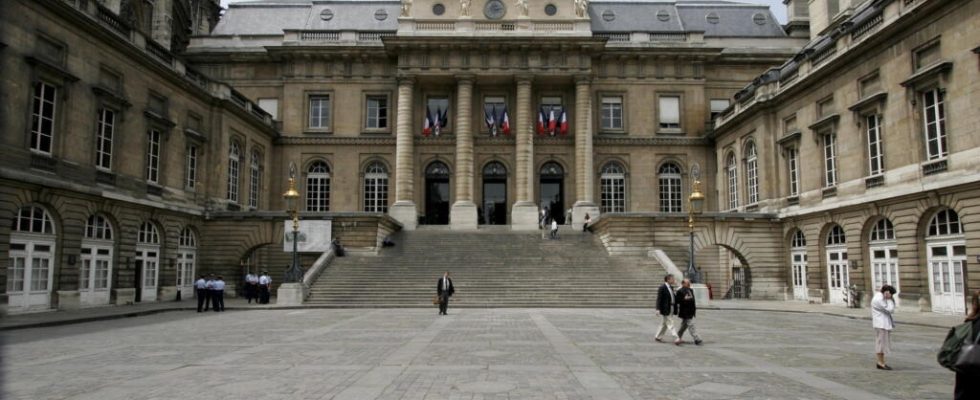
[583,79]
[524,78]
[465,78]
[406,80]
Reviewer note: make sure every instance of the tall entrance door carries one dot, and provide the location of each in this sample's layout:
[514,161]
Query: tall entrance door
[148,258]
[30,274]
[494,208]
[552,191]
[437,194]
[884,268]
[946,277]
[837,275]
[799,274]
[94,276]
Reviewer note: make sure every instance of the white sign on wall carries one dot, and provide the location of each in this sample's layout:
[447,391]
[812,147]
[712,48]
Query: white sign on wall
[313,237]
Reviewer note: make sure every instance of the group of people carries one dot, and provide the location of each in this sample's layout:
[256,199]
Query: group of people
[257,287]
[210,292]
[680,303]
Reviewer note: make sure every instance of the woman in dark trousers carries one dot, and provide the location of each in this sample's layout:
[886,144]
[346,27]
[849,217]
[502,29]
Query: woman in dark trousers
[968,383]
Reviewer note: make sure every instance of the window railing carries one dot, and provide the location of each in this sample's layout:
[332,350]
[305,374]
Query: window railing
[435,26]
[319,36]
[867,26]
[614,37]
[159,52]
[113,21]
[668,37]
[553,26]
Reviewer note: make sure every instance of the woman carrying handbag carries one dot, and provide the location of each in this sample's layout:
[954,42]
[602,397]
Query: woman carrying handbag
[968,379]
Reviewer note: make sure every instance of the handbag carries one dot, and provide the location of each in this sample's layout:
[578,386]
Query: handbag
[435,300]
[969,358]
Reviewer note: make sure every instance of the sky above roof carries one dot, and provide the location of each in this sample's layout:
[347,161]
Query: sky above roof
[777,7]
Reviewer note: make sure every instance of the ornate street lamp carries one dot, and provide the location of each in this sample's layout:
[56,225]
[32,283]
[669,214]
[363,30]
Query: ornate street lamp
[695,202]
[295,272]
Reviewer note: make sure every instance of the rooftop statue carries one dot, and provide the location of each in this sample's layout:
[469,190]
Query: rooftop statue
[406,7]
[464,8]
[581,7]
[522,5]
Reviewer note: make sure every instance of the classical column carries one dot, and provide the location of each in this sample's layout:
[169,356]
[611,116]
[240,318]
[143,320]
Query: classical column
[524,214]
[463,214]
[584,171]
[404,209]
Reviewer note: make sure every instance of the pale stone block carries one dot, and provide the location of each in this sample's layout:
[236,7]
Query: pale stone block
[290,294]
[69,300]
[168,293]
[406,214]
[124,296]
[700,293]
[524,216]
[580,209]
[463,216]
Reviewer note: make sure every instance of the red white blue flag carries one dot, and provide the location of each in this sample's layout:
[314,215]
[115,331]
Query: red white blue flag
[563,122]
[505,122]
[427,125]
[541,119]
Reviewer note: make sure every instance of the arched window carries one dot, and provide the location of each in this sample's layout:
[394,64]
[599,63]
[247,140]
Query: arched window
[32,250]
[882,231]
[494,169]
[946,254]
[234,158]
[376,188]
[318,187]
[837,265]
[836,236]
[732,168]
[798,259]
[612,184]
[96,261]
[186,258]
[148,259]
[799,240]
[752,173]
[669,177]
[255,180]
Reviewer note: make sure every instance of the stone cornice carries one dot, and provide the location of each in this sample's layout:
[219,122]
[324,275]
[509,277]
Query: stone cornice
[383,140]
[651,141]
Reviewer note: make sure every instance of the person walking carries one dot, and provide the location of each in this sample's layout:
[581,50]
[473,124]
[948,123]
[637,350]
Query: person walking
[201,291]
[554,229]
[666,308]
[568,216]
[585,226]
[882,308]
[967,384]
[686,308]
[444,289]
[218,294]
[265,282]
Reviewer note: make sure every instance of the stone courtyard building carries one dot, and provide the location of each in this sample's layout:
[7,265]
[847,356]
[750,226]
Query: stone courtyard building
[148,141]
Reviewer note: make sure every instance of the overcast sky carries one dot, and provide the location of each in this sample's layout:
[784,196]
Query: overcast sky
[777,7]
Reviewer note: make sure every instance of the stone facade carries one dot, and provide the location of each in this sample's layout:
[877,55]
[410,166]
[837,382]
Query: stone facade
[351,93]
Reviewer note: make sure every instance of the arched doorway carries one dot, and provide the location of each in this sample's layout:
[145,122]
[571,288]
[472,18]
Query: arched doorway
[884,256]
[837,274]
[147,262]
[95,274]
[494,209]
[437,193]
[946,254]
[552,190]
[798,260]
[32,255]
[186,260]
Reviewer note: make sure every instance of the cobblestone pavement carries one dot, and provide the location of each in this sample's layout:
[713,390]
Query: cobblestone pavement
[476,354]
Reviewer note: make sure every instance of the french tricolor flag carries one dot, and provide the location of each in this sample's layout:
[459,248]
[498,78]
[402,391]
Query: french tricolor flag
[563,122]
[427,125]
[541,119]
[552,122]
[505,122]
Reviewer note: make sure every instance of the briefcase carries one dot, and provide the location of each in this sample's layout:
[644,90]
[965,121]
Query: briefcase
[435,300]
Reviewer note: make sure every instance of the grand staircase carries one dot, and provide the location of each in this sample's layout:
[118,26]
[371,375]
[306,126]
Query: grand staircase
[490,268]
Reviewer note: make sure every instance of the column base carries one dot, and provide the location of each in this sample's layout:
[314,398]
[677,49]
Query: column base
[524,216]
[700,293]
[290,294]
[69,300]
[463,216]
[124,296]
[580,209]
[406,214]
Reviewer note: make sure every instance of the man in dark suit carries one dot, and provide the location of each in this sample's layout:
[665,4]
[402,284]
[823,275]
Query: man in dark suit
[686,308]
[666,308]
[444,289]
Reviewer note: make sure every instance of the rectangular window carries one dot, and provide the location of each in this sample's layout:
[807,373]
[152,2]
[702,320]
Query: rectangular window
[270,106]
[103,139]
[42,118]
[552,103]
[934,113]
[718,106]
[830,159]
[825,107]
[927,56]
[377,112]
[440,106]
[190,178]
[732,185]
[870,85]
[613,191]
[670,193]
[153,156]
[255,180]
[794,171]
[319,112]
[875,152]
[494,105]
[670,112]
[611,117]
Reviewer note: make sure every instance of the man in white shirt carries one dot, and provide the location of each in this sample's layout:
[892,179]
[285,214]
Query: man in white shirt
[265,282]
[218,294]
[201,290]
[444,289]
[554,228]
[209,291]
[251,287]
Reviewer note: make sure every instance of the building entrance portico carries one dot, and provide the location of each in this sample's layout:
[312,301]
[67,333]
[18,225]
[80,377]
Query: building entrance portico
[436,194]
[494,207]
[551,193]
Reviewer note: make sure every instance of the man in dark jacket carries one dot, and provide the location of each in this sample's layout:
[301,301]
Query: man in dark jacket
[444,289]
[666,308]
[686,308]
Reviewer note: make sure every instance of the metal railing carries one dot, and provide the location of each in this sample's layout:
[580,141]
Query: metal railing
[319,36]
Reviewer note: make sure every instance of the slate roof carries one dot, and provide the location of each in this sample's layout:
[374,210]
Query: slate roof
[271,17]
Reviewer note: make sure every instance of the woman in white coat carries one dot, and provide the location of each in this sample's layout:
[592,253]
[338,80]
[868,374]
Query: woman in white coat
[882,308]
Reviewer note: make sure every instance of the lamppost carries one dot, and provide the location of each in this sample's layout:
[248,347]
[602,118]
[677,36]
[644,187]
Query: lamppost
[295,272]
[695,202]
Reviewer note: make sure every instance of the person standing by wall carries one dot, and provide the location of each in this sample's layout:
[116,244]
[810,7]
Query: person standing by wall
[444,289]
[201,291]
[666,308]
[251,287]
[882,307]
[218,294]
[265,282]
[686,309]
